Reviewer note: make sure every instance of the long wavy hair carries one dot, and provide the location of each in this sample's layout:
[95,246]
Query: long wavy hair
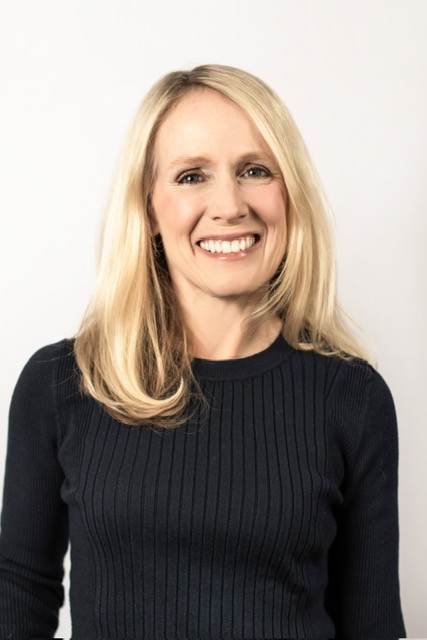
[132,348]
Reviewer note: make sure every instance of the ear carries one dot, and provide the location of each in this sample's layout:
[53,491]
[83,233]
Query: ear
[152,220]
[154,227]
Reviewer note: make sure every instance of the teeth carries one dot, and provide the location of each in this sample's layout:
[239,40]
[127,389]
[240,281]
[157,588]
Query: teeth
[224,246]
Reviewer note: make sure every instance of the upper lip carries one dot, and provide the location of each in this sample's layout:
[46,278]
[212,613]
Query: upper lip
[229,236]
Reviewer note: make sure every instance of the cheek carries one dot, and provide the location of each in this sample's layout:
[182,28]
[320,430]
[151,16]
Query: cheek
[174,212]
[271,204]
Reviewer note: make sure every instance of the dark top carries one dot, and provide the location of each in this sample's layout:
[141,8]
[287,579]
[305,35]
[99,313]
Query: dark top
[272,515]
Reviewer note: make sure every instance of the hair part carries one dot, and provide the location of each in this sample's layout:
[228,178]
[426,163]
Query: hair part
[132,349]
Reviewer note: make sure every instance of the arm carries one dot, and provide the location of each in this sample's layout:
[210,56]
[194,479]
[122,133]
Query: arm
[364,595]
[34,528]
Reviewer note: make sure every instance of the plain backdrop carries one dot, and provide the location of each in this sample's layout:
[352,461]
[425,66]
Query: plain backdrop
[354,75]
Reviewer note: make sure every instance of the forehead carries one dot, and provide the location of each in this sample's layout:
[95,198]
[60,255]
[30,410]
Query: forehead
[205,121]
[197,101]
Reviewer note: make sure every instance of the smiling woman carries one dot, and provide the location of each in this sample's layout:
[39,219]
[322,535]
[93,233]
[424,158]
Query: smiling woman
[220,209]
[213,443]
[173,170]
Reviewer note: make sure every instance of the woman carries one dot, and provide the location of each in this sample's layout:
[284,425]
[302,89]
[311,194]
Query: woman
[213,443]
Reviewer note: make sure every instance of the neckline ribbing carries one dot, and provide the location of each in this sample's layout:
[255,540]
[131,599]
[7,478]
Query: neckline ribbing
[246,367]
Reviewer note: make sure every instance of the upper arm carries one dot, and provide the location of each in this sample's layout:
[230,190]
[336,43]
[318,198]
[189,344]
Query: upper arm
[34,526]
[363,594]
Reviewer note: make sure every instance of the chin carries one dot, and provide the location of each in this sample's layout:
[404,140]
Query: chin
[234,292]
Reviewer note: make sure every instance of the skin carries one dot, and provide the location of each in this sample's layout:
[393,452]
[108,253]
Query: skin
[214,175]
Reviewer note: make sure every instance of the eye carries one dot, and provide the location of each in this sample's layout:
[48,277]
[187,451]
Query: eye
[190,177]
[257,172]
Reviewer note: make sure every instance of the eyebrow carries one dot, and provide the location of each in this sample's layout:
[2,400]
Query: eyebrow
[194,160]
[252,156]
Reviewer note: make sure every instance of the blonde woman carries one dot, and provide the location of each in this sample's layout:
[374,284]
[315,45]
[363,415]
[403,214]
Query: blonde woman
[213,443]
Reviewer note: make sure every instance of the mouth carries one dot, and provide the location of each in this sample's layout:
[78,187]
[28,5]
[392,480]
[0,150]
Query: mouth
[236,244]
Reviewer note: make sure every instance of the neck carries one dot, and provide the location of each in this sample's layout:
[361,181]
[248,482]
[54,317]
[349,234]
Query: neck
[215,329]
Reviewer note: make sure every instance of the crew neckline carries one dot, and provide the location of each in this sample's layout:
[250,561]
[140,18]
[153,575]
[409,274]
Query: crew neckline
[245,367]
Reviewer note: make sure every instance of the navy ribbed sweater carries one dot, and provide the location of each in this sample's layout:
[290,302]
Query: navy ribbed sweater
[271,515]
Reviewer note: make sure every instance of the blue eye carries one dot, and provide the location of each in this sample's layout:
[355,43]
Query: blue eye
[257,172]
[190,178]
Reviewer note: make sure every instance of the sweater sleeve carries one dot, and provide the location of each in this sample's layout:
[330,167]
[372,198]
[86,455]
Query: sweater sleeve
[364,593]
[34,526]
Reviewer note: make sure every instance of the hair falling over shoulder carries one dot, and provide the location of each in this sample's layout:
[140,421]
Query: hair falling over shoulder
[132,349]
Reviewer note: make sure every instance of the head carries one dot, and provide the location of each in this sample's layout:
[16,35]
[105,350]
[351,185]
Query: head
[131,228]
[132,348]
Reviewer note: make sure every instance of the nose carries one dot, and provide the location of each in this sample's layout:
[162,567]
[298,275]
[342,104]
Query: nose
[227,202]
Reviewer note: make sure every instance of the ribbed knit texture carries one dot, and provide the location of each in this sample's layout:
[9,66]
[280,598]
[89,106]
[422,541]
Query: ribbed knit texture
[271,515]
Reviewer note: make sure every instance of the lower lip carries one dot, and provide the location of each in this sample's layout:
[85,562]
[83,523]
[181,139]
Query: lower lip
[238,255]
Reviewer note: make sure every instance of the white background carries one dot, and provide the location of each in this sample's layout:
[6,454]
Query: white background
[354,75]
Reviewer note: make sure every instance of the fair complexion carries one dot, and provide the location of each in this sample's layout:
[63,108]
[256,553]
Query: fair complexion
[217,182]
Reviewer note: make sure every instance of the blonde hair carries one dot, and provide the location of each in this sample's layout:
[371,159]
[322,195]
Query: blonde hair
[132,348]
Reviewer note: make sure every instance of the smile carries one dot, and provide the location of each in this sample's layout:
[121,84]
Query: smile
[225,246]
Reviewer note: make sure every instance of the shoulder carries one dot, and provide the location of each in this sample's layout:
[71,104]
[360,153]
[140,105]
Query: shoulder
[359,406]
[346,380]
[355,381]
[350,384]
[353,399]
[51,352]
[44,364]
[44,372]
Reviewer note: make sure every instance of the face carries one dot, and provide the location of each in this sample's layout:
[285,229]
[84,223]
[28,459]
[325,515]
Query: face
[218,200]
